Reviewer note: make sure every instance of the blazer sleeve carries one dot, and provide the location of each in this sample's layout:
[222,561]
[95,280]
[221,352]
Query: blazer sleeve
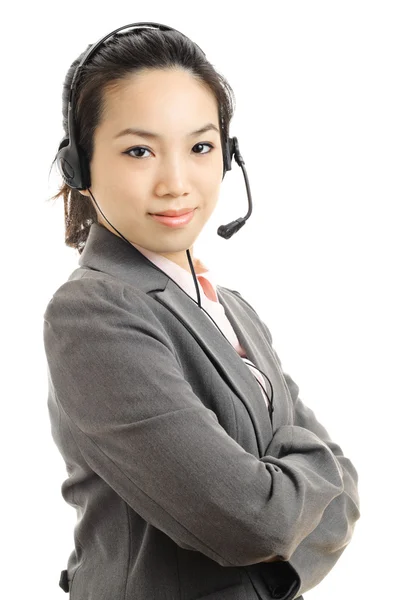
[318,552]
[140,427]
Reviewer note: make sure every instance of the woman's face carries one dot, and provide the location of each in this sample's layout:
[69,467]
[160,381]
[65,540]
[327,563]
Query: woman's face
[133,175]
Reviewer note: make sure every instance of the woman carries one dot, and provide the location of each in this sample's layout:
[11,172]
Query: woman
[195,469]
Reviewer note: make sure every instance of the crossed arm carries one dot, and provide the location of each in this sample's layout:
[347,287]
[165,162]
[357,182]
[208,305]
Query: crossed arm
[318,552]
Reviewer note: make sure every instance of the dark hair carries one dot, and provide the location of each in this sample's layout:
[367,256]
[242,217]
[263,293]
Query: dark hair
[116,60]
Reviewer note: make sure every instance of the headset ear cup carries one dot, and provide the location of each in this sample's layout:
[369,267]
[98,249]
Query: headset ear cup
[231,151]
[64,165]
[73,165]
[228,155]
[84,169]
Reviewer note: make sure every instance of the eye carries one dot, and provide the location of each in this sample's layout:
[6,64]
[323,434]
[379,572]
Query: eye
[204,144]
[128,152]
[201,144]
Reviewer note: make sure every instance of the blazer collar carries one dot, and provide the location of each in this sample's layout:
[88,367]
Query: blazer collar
[105,251]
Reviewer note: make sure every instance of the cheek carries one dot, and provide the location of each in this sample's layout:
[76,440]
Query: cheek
[212,190]
[121,180]
[211,200]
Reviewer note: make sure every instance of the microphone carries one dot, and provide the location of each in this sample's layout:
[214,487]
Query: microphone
[227,231]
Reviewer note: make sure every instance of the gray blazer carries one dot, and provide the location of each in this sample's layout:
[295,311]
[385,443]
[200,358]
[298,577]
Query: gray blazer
[181,485]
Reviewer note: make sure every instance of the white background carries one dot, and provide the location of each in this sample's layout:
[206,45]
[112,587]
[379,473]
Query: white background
[317,119]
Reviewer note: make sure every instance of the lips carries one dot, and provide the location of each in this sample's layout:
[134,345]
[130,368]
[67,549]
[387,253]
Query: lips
[180,221]
[174,213]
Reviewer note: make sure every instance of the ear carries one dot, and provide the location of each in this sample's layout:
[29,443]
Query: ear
[84,192]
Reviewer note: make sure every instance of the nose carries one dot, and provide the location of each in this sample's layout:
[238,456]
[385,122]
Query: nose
[172,178]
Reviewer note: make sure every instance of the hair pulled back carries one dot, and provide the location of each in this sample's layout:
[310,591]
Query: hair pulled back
[114,61]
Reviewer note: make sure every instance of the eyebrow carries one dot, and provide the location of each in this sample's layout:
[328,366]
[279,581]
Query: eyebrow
[149,134]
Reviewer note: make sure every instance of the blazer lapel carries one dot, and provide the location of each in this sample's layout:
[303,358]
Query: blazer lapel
[223,355]
[251,334]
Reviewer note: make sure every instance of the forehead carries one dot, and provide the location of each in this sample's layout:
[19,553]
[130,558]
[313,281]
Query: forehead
[172,101]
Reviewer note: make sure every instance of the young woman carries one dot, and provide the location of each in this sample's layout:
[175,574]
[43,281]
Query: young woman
[195,469]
